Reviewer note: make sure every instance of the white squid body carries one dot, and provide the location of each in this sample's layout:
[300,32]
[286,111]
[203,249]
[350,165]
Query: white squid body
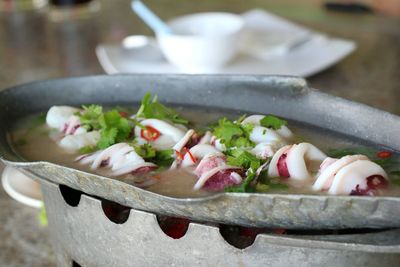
[267,140]
[342,176]
[78,141]
[76,137]
[57,116]
[170,134]
[120,157]
[302,160]
[330,167]
[199,152]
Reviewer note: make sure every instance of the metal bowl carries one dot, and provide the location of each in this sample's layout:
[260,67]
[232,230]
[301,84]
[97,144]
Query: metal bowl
[288,97]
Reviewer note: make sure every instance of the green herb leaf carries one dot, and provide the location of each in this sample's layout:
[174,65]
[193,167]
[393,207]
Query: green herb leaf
[233,134]
[262,188]
[227,130]
[146,151]
[152,109]
[112,126]
[162,158]
[243,158]
[90,117]
[272,122]
[87,149]
[245,186]
[107,138]
[112,119]
[266,183]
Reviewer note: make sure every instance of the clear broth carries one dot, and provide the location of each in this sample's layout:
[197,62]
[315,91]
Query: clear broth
[38,145]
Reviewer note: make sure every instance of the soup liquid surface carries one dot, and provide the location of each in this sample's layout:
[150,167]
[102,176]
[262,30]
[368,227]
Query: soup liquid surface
[40,144]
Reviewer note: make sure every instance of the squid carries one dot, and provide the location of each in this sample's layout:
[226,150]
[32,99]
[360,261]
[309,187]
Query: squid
[298,161]
[163,135]
[74,137]
[267,141]
[121,158]
[214,174]
[75,142]
[197,153]
[350,175]
[58,116]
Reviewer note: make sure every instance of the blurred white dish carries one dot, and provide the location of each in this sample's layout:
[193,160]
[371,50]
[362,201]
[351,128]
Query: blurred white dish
[299,51]
[202,42]
[21,188]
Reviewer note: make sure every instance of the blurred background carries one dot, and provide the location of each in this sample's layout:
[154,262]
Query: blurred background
[42,39]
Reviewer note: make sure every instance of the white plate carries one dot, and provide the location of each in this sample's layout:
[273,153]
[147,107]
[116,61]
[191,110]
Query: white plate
[297,51]
[21,188]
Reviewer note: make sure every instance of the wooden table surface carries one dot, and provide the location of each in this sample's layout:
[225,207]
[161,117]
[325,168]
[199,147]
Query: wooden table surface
[35,47]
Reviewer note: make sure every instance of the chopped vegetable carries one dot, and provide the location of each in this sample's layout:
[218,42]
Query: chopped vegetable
[87,149]
[152,109]
[162,158]
[243,158]
[112,125]
[179,155]
[146,151]
[245,186]
[192,158]
[90,117]
[384,154]
[149,133]
[233,134]
[272,122]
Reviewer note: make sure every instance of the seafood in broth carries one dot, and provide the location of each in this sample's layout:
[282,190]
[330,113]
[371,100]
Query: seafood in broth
[157,149]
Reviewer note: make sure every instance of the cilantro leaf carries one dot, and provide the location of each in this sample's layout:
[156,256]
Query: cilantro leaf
[112,125]
[270,121]
[152,109]
[87,149]
[262,188]
[242,158]
[245,186]
[227,130]
[107,137]
[233,134]
[146,151]
[112,119]
[162,158]
[90,117]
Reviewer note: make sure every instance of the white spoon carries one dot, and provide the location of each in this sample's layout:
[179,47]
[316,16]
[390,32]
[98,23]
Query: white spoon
[151,19]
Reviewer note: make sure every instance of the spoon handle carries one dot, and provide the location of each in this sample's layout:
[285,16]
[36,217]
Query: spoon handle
[148,16]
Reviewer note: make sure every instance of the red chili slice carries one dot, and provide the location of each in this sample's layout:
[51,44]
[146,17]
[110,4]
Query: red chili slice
[179,155]
[282,167]
[193,158]
[384,154]
[149,133]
